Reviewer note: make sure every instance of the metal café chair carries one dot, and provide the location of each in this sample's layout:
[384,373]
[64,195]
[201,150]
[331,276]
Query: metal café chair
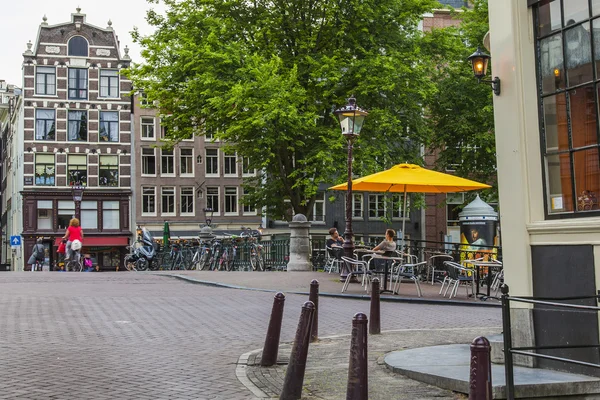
[407,271]
[458,274]
[332,261]
[357,268]
[435,262]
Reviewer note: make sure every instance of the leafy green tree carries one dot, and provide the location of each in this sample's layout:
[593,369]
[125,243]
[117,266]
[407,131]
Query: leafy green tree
[265,76]
[460,112]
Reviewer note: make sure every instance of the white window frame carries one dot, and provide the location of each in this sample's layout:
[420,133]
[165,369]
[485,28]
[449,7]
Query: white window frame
[401,207]
[109,79]
[149,214]
[362,206]
[379,195]
[246,174]
[174,194]
[193,192]
[215,212]
[314,211]
[170,174]
[192,163]
[234,202]
[228,158]
[142,125]
[251,209]
[206,163]
[142,162]
[45,83]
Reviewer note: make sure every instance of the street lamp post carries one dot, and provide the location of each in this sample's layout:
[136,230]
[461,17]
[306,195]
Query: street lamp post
[208,214]
[351,119]
[77,191]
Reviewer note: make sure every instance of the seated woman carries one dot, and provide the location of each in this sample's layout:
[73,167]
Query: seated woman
[388,245]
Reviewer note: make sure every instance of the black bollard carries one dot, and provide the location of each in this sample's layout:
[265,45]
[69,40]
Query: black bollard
[480,379]
[358,376]
[271,348]
[374,316]
[294,376]
[314,297]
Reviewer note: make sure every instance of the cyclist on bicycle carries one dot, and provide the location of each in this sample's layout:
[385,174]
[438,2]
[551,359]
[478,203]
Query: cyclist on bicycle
[38,254]
[74,232]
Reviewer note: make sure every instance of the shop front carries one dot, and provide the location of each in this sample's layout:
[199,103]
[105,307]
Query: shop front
[106,252]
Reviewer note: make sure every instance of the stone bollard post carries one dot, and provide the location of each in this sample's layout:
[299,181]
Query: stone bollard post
[358,376]
[374,316]
[294,376]
[480,377]
[299,244]
[271,347]
[314,297]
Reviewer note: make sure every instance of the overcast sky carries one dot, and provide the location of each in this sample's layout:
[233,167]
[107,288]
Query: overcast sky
[20,20]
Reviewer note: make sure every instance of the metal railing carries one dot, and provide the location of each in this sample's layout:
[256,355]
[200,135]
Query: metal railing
[423,249]
[528,351]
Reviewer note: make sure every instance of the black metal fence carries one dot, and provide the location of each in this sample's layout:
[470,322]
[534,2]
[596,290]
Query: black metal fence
[529,351]
[460,252]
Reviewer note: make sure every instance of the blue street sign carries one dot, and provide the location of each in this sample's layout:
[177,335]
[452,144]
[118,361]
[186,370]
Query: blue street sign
[15,241]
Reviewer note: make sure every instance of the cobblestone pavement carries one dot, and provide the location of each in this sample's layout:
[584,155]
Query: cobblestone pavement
[138,336]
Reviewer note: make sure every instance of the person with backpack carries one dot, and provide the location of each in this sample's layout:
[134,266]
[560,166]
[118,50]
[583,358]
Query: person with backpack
[38,254]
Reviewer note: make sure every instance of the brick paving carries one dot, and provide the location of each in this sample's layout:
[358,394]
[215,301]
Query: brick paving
[140,336]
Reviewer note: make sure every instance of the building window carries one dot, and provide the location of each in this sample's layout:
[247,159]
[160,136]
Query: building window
[44,215]
[110,215]
[248,209]
[186,161]
[147,125]
[568,90]
[89,214]
[167,197]
[148,201]
[45,81]
[230,164]
[78,47]
[78,83]
[212,162]
[108,173]
[144,100]
[77,167]
[109,126]
[66,211]
[231,200]
[44,169]
[45,125]
[187,200]
[167,164]
[212,198]
[109,83]
[398,206]
[318,214]
[246,170]
[77,126]
[376,206]
[357,205]
[148,161]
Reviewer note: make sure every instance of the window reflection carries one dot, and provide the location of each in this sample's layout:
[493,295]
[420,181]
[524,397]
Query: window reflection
[551,62]
[560,197]
[587,179]
[583,116]
[555,122]
[578,54]
[549,17]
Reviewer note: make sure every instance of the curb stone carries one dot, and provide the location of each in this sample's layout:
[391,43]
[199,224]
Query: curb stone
[240,373]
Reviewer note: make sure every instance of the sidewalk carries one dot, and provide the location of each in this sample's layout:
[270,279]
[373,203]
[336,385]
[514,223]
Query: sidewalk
[329,285]
[326,374]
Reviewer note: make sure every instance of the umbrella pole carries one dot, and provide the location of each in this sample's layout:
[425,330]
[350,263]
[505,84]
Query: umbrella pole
[403,220]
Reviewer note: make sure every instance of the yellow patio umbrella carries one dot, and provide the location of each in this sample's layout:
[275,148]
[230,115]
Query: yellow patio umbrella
[411,178]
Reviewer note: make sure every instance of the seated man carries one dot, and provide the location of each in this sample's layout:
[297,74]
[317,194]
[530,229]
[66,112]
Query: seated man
[388,245]
[335,243]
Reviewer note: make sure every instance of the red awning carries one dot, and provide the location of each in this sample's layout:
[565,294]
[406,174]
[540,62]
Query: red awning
[101,241]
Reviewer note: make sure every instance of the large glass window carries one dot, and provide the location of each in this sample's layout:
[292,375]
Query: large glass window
[186,201]
[149,200]
[212,162]
[167,197]
[230,164]
[246,169]
[147,124]
[110,215]
[108,173]
[66,211]
[77,129]
[109,83]
[44,215]
[231,200]
[148,161]
[376,206]
[568,54]
[167,162]
[45,81]
[109,126]
[45,125]
[77,166]
[44,169]
[357,205]
[398,206]
[248,208]
[186,162]
[78,46]
[78,83]
[318,214]
[89,214]
[212,198]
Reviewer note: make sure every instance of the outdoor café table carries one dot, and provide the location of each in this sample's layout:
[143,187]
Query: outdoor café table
[379,256]
[478,265]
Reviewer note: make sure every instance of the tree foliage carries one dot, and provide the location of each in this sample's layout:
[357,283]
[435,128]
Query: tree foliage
[460,112]
[265,76]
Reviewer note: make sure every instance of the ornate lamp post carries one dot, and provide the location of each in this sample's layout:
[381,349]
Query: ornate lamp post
[208,214]
[351,120]
[77,191]
[479,62]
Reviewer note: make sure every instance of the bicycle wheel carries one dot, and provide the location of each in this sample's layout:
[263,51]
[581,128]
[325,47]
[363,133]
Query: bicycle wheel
[204,261]
[74,266]
[141,264]
[260,262]
[253,261]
